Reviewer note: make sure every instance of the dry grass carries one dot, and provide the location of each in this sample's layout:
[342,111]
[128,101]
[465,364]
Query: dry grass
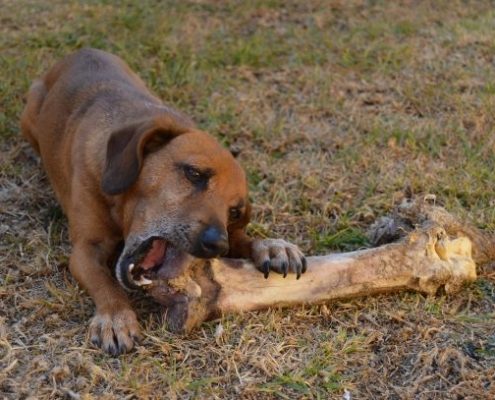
[337,107]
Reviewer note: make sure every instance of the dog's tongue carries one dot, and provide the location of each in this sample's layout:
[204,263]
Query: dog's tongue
[155,254]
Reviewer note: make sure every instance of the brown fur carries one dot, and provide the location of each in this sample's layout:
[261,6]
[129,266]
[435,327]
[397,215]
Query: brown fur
[113,153]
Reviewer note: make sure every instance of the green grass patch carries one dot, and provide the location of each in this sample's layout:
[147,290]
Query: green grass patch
[346,239]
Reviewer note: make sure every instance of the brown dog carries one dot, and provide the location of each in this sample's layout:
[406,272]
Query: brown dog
[127,168]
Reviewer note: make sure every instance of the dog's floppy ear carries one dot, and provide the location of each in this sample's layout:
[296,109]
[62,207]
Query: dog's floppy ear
[128,145]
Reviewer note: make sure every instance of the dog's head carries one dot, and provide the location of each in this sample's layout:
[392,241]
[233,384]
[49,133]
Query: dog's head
[182,194]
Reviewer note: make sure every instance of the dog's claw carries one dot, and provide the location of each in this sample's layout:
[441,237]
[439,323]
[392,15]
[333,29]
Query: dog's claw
[111,349]
[95,341]
[301,267]
[285,269]
[122,349]
[266,269]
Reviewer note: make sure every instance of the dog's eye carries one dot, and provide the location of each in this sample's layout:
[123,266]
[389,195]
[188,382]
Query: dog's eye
[194,176]
[234,214]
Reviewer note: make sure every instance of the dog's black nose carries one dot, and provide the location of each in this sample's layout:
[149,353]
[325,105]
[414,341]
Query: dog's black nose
[213,242]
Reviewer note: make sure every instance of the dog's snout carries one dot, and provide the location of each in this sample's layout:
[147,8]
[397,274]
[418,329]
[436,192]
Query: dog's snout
[213,242]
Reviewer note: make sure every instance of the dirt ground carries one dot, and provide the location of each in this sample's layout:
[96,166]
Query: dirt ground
[337,107]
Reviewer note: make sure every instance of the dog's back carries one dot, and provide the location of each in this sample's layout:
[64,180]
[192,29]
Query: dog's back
[72,88]
[88,82]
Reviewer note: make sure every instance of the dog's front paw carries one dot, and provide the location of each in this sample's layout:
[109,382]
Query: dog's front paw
[115,332]
[278,255]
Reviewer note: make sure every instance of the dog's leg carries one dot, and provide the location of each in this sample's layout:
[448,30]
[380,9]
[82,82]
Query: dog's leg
[114,327]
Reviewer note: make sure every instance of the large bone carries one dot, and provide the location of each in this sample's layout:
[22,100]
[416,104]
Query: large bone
[412,213]
[425,260]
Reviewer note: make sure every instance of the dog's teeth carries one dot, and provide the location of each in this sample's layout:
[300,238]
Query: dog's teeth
[131,267]
[143,281]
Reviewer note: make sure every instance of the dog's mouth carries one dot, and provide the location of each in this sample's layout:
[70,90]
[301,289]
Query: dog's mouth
[154,259]
[149,259]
